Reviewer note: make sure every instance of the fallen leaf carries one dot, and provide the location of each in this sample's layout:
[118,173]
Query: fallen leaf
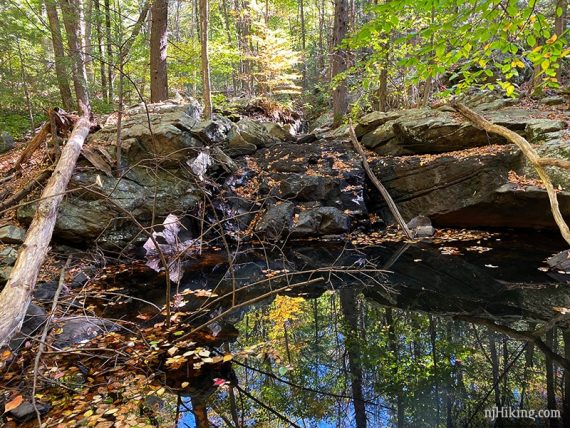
[13,404]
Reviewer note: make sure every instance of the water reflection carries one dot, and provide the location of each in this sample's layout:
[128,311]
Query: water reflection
[397,335]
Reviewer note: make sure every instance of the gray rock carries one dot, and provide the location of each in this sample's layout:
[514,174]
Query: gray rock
[443,184]
[80,329]
[8,256]
[45,291]
[26,412]
[553,100]
[33,322]
[424,131]
[213,131]
[6,142]
[560,261]
[558,148]
[278,131]
[254,133]
[277,221]
[537,129]
[321,221]
[4,274]
[12,234]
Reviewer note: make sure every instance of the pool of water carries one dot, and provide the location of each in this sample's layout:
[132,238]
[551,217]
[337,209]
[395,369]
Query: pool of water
[326,335]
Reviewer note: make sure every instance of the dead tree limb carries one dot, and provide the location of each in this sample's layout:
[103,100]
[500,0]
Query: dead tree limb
[391,204]
[529,153]
[16,295]
[560,163]
[36,181]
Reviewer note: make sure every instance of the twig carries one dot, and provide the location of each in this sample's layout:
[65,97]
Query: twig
[41,347]
[391,204]
[14,199]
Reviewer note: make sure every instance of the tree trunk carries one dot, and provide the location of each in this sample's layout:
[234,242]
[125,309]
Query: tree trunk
[16,295]
[25,86]
[203,5]
[158,44]
[109,51]
[88,47]
[339,60]
[561,8]
[100,48]
[59,55]
[303,42]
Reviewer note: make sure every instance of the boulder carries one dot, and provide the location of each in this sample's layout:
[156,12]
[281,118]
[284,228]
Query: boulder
[320,221]
[424,131]
[8,256]
[11,234]
[6,142]
[437,185]
[75,330]
[276,222]
[33,322]
[553,100]
[509,206]
[558,148]
[421,227]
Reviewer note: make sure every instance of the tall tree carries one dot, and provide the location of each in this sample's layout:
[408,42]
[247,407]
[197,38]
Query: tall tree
[339,60]
[101,50]
[158,44]
[59,55]
[17,293]
[109,50]
[204,12]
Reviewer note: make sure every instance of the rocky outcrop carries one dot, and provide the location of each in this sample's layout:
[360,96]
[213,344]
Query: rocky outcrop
[424,131]
[436,185]
[6,142]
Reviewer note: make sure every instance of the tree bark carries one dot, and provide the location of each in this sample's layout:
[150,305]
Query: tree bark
[109,51]
[59,55]
[71,22]
[88,47]
[158,45]
[16,295]
[339,60]
[100,49]
[206,93]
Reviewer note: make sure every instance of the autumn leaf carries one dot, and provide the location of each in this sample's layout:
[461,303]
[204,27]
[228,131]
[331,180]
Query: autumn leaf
[13,404]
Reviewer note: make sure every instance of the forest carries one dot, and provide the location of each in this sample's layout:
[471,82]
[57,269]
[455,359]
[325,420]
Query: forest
[284,213]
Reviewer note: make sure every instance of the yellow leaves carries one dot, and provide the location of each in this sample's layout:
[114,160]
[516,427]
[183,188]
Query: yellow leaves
[517,63]
[552,39]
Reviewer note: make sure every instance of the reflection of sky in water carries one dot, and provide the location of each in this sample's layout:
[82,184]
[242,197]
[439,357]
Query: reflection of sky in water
[464,369]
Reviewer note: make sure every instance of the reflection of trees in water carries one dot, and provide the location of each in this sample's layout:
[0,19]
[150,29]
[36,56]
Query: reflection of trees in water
[399,368]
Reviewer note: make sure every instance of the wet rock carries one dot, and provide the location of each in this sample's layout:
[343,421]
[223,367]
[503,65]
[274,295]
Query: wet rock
[81,329]
[12,234]
[444,184]
[421,227]
[26,412]
[509,206]
[33,322]
[45,291]
[6,142]
[321,221]
[277,221]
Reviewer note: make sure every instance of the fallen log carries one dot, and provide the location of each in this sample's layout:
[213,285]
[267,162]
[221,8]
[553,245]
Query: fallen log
[529,153]
[391,204]
[16,295]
